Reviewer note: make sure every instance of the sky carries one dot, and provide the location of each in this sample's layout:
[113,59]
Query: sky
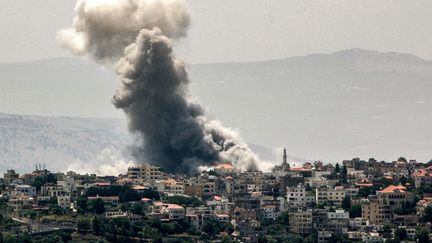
[243,30]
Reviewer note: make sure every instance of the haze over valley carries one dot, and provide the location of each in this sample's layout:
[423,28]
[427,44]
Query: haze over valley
[325,106]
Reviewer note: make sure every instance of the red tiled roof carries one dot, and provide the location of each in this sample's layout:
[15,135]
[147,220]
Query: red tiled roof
[299,169]
[393,188]
[139,187]
[170,181]
[225,166]
[174,206]
[423,172]
[102,183]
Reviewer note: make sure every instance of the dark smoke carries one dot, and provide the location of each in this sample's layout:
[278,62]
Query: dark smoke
[153,91]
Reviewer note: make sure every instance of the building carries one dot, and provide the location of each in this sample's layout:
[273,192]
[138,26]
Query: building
[284,168]
[202,186]
[169,211]
[224,169]
[338,221]
[133,218]
[64,201]
[170,187]
[10,176]
[299,196]
[328,195]
[26,189]
[395,196]
[20,201]
[300,222]
[324,236]
[144,171]
[376,212]
[423,177]
[114,200]
[51,190]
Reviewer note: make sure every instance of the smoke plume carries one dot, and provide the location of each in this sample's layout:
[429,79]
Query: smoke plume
[138,36]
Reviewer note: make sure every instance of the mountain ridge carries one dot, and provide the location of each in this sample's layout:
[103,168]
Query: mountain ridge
[352,103]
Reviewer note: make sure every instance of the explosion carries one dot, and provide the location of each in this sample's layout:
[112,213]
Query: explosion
[138,36]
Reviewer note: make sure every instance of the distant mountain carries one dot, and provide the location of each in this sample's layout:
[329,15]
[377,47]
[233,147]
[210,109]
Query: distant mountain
[85,145]
[59,143]
[323,106]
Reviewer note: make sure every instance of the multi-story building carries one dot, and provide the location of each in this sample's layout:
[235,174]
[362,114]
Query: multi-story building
[299,196]
[144,171]
[52,190]
[64,201]
[395,196]
[170,187]
[300,222]
[204,186]
[324,236]
[224,169]
[10,176]
[20,201]
[376,212]
[26,189]
[328,195]
[338,221]
[423,177]
[169,211]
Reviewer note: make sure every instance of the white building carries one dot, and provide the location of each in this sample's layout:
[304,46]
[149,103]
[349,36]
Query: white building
[297,195]
[18,202]
[52,190]
[173,211]
[144,171]
[26,189]
[170,187]
[64,201]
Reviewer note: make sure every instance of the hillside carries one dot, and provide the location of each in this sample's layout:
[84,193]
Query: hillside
[323,106]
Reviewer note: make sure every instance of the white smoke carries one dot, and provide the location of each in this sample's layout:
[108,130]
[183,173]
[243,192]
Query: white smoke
[109,162]
[103,28]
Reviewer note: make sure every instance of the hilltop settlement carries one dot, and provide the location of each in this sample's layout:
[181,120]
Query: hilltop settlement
[351,201]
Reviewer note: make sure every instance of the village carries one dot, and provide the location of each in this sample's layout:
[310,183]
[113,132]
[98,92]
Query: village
[355,200]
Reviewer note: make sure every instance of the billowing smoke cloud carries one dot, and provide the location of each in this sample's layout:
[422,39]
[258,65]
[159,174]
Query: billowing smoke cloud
[108,162]
[153,92]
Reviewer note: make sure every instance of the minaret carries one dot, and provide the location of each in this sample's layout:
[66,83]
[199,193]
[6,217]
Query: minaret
[285,165]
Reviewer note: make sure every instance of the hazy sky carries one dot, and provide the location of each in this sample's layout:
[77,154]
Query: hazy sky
[244,30]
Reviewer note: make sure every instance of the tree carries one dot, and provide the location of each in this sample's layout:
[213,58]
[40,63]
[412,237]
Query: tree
[82,204]
[284,218]
[209,227]
[422,236]
[365,191]
[355,211]
[427,214]
[337,169]
[83,225]
[386,231]
[344,175]
[64,236]
[137,208]
[401,233]
[403,180]
[97,226]
[98,206]
[184,201]
[129,196]
[229,228]
[346,203]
